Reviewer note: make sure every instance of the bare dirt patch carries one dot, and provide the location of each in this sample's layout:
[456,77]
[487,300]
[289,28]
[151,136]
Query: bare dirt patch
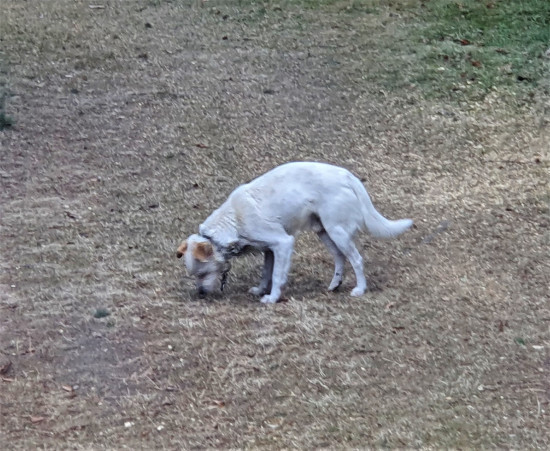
[133,120]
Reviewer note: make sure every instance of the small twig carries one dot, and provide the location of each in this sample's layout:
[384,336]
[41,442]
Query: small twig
[443,225]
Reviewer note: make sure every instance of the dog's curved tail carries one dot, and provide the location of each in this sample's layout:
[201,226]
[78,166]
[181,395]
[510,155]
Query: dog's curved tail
[376,224]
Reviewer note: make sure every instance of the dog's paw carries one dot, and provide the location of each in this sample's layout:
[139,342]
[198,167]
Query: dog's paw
[268,299]
[257,291]
[334,285]
[358,291]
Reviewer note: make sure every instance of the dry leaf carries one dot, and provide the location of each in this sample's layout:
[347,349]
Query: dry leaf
[217,404]
[274,423]
[5,368]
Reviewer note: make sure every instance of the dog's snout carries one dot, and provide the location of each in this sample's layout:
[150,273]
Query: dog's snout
[202,292]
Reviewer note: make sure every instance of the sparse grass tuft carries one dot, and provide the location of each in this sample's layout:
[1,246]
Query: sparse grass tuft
[101,313]
[5,120]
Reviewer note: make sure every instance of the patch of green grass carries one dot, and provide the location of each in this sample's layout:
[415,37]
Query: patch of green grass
[449,49]
[466,48]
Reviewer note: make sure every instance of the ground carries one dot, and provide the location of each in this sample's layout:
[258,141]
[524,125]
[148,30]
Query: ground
[133,120]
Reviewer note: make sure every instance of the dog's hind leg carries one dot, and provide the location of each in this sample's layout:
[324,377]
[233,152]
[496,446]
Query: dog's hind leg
[339,260]
[267,274]
[344,241]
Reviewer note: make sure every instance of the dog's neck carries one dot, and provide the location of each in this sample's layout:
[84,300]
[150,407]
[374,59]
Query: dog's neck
[220,229]
[226,252]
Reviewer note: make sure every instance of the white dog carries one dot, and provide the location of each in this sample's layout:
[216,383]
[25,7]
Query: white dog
[268,212]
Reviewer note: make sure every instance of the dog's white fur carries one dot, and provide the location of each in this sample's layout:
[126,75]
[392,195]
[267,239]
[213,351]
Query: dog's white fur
[269,211]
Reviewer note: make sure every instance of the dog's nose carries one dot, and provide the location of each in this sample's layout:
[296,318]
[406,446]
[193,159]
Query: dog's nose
[202,292]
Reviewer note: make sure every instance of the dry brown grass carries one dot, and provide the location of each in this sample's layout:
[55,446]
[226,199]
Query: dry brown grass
[102,175]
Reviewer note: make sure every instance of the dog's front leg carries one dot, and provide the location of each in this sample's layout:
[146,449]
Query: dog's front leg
[267,274]
[282,253]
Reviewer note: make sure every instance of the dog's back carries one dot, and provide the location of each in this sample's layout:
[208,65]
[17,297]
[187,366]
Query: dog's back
[300,194]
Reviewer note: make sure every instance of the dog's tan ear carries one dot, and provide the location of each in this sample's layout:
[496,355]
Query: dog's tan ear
[203,251]
[182,249]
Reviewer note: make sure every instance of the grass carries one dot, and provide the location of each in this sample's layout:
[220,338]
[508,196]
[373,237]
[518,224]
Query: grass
[117,157]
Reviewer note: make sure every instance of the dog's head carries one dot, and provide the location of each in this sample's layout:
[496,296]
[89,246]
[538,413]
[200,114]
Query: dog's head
[203,262]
